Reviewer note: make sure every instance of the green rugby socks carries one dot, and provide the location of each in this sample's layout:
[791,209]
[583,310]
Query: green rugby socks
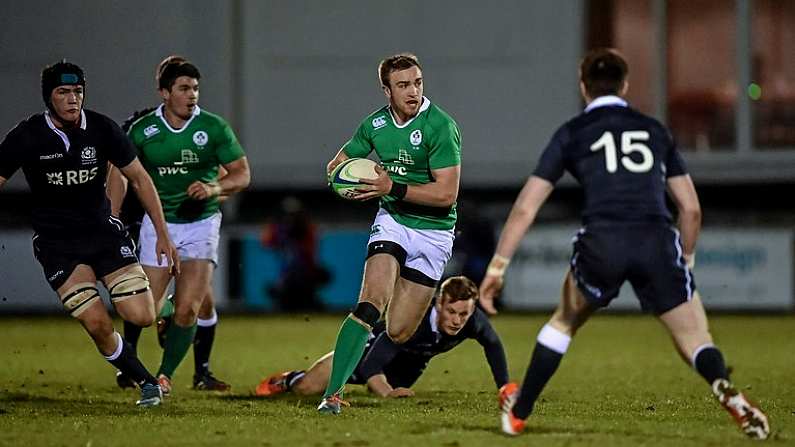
[178,341]
[347,352]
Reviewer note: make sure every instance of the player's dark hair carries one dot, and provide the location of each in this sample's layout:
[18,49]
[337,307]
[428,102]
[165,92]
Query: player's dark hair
[398,62]
[57,74]
[603,71]
[458,288]
[127,124]
[171,68]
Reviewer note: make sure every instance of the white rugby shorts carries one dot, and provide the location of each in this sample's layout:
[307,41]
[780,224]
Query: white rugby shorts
[426,250]
[194,240]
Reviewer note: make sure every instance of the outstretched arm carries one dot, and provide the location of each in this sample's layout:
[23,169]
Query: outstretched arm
[3,181]
[534,193]
[492,348]
[381,353]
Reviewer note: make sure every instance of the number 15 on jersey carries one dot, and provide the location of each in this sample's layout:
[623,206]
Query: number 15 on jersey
[631,141]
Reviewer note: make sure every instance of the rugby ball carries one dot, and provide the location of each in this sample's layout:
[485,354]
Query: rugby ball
[344,179]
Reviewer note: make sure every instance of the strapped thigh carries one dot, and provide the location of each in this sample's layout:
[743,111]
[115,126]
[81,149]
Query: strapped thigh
[79,297]
[131,282]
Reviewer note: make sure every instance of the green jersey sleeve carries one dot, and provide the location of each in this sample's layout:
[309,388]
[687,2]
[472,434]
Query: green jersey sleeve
[229,149]
[445,147]
[359,145]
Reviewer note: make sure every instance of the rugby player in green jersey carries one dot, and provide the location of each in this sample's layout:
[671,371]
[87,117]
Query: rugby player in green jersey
[183,147]
[411,239]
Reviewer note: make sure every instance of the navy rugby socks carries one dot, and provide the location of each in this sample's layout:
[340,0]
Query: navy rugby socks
[550,347]
[126,361]
[203,344]
[708,361]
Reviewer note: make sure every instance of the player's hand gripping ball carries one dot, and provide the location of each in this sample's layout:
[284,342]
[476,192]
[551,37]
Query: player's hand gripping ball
[344,179]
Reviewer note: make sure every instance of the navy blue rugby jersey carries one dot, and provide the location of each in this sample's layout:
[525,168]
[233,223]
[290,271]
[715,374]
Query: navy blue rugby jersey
[427,342]
[66,170]
[621,157]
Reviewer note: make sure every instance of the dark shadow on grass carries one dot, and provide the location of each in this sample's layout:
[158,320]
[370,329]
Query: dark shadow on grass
[367,402]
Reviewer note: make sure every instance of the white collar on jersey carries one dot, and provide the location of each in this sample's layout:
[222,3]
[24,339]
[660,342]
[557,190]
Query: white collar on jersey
[604,101]
[425,104]
[159,112]
[61,133]
[434,319]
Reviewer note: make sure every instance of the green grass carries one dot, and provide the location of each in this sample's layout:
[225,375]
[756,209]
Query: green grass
[620,384]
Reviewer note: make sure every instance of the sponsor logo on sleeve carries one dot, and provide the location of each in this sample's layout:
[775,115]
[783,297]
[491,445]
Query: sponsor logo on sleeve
[151,130]
[379,122]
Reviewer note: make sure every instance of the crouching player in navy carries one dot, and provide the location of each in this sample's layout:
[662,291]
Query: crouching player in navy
[389,369]
[625,162]
[64,153]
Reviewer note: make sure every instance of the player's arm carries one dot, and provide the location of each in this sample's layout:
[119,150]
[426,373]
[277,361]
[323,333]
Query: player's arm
[339,158]
[534,193]
[684,196]
[442,192]
[379,385]
[492,348]
[3,181]
[381,353]
[116,190]
[237,178]
[145,190]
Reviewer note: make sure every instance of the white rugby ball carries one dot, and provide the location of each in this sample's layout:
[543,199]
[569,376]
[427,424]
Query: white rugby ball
[344,179]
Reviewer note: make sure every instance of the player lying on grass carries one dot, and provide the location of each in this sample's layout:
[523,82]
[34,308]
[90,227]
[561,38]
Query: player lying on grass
[389,369]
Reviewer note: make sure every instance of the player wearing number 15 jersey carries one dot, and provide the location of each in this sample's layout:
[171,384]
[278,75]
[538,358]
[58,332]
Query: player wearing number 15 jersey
[625,162]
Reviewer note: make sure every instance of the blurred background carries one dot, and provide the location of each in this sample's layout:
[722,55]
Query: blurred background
[294,78]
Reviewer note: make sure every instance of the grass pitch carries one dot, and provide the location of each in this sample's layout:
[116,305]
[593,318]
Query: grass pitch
[621,383]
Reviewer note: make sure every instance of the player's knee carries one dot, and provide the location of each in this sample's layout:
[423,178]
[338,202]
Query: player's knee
[128,284]
[367,313]
[186,313]
[142,317]
[80,297]
[398,335]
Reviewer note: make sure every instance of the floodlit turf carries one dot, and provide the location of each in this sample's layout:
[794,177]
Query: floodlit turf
[620,384]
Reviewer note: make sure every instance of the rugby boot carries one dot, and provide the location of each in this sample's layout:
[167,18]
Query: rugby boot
[151,395]
[510,424]
[165,384]
[749,417]
[208,382]
[124,381]
[274,384]
[332,404]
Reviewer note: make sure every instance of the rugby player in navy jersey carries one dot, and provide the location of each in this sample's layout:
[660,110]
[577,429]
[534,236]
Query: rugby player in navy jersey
[625,162]
[65,153]
[388,368]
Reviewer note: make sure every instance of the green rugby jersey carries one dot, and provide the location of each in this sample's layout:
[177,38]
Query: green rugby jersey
[428,141]
[175,158]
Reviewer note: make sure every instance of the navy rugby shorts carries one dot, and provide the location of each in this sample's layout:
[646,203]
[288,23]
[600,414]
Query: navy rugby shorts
[648,255]
[105,250]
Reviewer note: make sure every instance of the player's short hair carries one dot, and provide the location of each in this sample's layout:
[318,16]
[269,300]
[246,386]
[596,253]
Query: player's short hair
[171,68]
[397,62]
[603,71]
[458,288]
[58,74]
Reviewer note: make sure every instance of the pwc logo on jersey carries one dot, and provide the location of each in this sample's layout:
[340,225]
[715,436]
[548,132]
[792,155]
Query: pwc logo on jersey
[200,138]
[150,131]
[379,122]
[67,178]
[415,138]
